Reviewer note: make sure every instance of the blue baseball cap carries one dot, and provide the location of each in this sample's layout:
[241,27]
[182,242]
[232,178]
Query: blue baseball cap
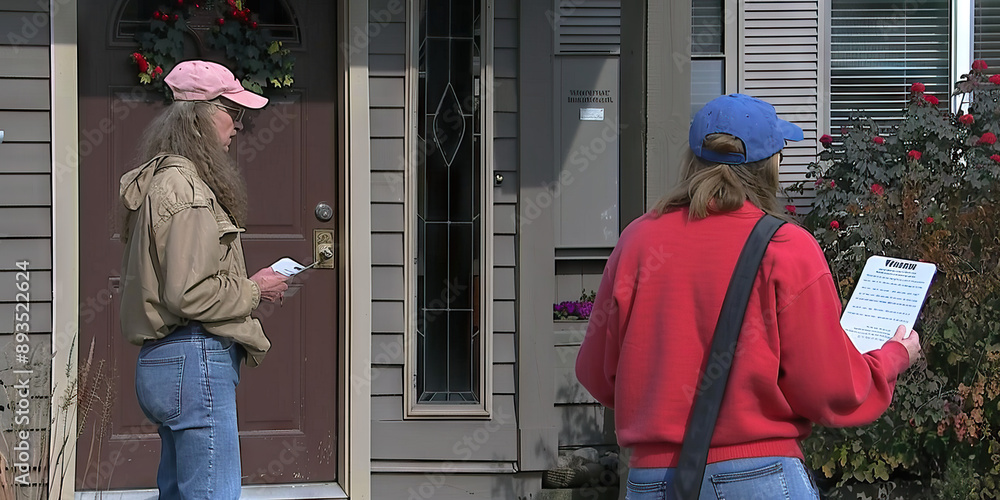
[750,120]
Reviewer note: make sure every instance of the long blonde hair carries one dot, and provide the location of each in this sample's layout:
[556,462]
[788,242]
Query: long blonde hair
[186,128]
[718,187]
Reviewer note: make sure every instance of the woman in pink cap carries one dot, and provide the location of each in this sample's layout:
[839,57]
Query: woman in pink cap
[186,297]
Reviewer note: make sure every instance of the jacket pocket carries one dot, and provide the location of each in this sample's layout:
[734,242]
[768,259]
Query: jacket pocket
[228,236]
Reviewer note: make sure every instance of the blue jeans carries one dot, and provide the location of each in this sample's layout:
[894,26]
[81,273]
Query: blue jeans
[186,384]
[762,478]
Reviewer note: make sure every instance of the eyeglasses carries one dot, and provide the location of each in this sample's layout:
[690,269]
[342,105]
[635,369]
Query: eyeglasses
[235,113]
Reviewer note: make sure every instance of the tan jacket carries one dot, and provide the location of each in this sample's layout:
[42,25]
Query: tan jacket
[183,259]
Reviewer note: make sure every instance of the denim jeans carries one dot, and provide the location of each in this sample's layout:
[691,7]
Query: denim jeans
[186,384]
[762,478]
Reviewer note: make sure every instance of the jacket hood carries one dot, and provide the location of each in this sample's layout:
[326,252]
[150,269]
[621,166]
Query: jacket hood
[135,183]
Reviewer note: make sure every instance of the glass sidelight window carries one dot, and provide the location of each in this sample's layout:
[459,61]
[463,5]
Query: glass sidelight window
[447,201]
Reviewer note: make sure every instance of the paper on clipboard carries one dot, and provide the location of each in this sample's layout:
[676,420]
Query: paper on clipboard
[889,293]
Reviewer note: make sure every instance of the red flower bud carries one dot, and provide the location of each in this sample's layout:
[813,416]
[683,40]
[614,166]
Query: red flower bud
[826,140]
[995,79]
[176,17]
[157,15]
[966,119]
[979,65]
[931,99]
[929,220]
[987,138]
[790,209]
[253,25]
[834,224]
[878,140]
[917,87]
[914,155]
[220,21]
[877,189]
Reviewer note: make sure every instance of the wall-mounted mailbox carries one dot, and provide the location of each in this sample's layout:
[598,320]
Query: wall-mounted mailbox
[586,178]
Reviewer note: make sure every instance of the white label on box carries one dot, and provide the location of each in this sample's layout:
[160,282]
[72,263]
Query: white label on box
[592,114]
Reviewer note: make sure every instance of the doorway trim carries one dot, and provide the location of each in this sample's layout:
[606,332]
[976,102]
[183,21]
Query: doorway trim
[354,417]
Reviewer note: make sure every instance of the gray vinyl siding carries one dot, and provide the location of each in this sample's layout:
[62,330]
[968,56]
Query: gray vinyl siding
[25,218]
[396,440]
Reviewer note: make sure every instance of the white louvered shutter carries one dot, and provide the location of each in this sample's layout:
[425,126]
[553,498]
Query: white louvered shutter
[781,51]
[588,27]
[986,37]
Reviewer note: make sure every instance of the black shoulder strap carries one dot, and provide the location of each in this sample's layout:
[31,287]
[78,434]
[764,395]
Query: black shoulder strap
[694,452]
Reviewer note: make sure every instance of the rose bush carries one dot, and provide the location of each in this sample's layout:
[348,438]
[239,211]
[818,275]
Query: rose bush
[927,192]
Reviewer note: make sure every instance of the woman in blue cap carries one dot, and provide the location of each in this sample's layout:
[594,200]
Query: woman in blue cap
[659,301]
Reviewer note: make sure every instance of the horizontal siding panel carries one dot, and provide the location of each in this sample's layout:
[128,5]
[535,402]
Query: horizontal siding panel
[387,283]
[585,425]
[505,95]
[387,65]
[503,348]
[503,283]
[387,122]
[387,408]
[505,9]
[39,282]
[505,125]
[387,349]
[567,388]
[39,319]
[387,154]
[505,63]
[23,221]
[503,379]
[507,191]
[387,381]
[25,189]
[24,62]
[496,439]
[387,217]
[385,38]
[388,187]
[387,316]
[38,253]
[25,157]
[387,249]
[505,157]
[24,94]
[25,126]
[504,219]
[503,251]
[505,33]
[504,317]
[386,91]
[24,29]
[387,11]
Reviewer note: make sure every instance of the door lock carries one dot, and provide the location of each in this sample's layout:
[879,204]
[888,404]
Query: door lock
[324,249]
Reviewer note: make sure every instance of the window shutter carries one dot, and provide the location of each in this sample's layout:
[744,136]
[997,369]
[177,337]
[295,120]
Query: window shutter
[588,27]
[780,63]
[986,41]
[878,49]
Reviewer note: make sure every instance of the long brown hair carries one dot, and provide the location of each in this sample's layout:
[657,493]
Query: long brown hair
[186,128]
[718,187]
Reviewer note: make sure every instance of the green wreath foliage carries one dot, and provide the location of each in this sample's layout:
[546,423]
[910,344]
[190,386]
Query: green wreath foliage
[258,61]
[925,190]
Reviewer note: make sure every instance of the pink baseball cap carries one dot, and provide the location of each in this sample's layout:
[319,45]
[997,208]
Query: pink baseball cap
[204,81]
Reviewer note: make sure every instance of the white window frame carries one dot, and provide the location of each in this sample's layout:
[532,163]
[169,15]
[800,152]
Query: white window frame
[413,408]
[732,16]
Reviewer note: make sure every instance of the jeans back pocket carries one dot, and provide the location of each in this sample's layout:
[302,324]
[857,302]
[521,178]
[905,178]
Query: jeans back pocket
[764,483]
[158,387]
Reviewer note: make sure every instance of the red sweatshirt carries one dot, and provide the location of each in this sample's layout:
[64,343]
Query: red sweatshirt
[652,327]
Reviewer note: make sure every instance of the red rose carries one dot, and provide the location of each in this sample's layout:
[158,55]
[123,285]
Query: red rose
[175,17]
[878,140]
[931,99]
[253,25]
[914,155]
[157,15]
[979,65]
[929,220]
[826,140]
[995,158]
[834,224]
[966,119]
[995,79]
[917,87]
[141,61]
[158,70]
[877,189]
[220,21]
[987,138]
[790,209]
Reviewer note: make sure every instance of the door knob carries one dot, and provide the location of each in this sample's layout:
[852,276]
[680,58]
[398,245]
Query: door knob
[324,212]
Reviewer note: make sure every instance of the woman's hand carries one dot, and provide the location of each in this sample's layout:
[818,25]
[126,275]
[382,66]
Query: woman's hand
[272,285]
[911,343]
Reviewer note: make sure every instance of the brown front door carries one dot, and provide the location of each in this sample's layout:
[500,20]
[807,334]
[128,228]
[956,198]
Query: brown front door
[287,151]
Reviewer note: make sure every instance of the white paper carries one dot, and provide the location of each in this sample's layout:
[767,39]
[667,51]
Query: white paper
[592,114]
[287,266]
[890,293]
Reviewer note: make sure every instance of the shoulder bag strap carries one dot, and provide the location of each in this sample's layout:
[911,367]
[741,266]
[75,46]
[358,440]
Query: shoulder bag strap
[708,399]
